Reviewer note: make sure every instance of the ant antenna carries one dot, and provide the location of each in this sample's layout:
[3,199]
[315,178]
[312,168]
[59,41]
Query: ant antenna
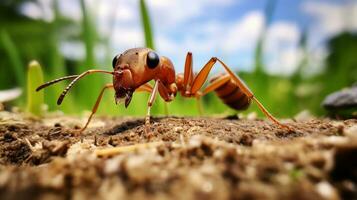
[55,81]
[65,91]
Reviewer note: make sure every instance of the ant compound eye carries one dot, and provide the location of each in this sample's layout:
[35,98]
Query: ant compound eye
[115,59]
[152,60]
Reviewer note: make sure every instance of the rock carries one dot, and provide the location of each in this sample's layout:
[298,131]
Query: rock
[10,94]
[343,103]
[346,98]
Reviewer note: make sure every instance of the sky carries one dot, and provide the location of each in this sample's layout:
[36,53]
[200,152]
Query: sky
[227,29]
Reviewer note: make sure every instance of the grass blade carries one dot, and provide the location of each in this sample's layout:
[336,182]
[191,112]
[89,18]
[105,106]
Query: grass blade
[35,100]
[89,88]
[261,78]
[258,55]
[149,42]
[145,18]
[13,56]
[56,59]
[89,37]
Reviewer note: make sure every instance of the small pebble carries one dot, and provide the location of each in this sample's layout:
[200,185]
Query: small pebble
[304,115]
[351,131]
[326,190]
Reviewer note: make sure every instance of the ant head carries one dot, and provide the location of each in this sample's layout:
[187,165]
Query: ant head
[133,68]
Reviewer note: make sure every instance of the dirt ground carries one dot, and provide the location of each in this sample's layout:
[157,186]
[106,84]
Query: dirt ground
[185,158]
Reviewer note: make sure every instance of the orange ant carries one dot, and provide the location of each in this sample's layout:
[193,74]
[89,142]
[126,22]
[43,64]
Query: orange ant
[134,68]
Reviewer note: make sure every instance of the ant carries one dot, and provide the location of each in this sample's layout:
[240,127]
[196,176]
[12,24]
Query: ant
[134,68]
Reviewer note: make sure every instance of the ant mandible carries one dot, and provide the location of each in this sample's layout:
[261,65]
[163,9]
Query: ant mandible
[134,68]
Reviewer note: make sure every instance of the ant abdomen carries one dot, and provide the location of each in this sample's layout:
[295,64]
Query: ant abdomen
[232,95]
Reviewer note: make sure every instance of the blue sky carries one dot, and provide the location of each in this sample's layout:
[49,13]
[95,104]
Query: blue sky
[224,28]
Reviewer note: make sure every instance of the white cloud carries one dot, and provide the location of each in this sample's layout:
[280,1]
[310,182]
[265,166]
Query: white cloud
[70,9]
[236,40]
[284,61]
[281,48]
[331,18]
[168,12]
[122,11]
[244,33]
[73,50]
[285,34]
[213,38]
[328,19]
[316,58]
[38,10]
[128,38]
[117,19]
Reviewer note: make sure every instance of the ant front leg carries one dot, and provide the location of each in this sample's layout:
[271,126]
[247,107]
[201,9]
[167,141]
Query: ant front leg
[150,103]
[202,77]
[96,105]
[188,73]
[188,78]
[144,88]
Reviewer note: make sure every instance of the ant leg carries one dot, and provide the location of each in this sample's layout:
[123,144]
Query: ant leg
[199,80]
[270,116]
[96,105]
[144,88]
[188,80]
[165,92]
[211,87]
[216,84]
[188,73]
[250,94]
[202,77]
[60,99]
[150,103]
[162,91]
[203,74]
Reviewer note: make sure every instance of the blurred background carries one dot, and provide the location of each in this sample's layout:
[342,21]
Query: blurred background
[291,53]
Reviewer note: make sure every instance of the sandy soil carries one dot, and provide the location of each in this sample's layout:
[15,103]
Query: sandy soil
[185,158]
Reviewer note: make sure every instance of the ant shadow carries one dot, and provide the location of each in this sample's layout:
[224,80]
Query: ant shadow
[131,124]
